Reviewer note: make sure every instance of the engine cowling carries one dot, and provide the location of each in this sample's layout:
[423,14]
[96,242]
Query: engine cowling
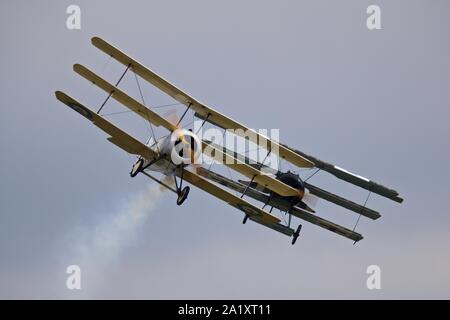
[294,181]
[182,147]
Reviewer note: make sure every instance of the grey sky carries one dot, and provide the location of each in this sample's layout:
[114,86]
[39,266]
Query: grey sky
[373,102]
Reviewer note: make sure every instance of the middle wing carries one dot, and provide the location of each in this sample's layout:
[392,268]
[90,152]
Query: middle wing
[201,109]
[123,98]
[250,172]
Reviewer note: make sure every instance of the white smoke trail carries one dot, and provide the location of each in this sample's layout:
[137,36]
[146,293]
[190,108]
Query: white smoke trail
[96,248]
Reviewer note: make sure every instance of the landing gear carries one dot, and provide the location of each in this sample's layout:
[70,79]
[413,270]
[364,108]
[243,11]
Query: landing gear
[182,195]
[137,167]
[245,219]
[296,234]
[182,192]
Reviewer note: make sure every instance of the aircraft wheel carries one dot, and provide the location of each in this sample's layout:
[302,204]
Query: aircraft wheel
[183,195]
[137,167]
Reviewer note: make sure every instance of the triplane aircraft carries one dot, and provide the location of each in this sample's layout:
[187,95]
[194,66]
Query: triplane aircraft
[285,191]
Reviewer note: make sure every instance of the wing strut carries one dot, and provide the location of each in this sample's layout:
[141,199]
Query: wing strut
[201,110]
[117,83]
[364,206]
[184,113]
[259,168]
[203,123]
[143,103]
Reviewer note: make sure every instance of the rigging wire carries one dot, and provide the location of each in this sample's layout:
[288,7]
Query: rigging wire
[211,164]
[283,216]
[168,105]
[115,113]
[229,172]
[290,167]
[156,107]
[148,123]
[365,202]
[312,175]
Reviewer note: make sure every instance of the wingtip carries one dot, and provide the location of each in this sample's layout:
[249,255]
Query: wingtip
[95,39]
[358,239]
[61,96]
[58,94]
[77,67]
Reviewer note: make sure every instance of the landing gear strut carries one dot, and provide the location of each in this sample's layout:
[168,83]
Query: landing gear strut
[296,234]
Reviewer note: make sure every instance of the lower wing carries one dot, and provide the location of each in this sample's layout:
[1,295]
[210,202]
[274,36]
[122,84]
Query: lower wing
[117,136]
[256,214]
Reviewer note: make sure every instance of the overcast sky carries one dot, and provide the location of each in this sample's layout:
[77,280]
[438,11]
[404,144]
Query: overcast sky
[374,102]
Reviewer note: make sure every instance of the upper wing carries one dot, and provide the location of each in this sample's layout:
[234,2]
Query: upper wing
[117,136]
[256,214]
[353,178]
[123,98]
[201,109]
[253,173]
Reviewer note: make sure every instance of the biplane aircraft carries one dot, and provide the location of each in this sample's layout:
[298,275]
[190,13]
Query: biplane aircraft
[273,188]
